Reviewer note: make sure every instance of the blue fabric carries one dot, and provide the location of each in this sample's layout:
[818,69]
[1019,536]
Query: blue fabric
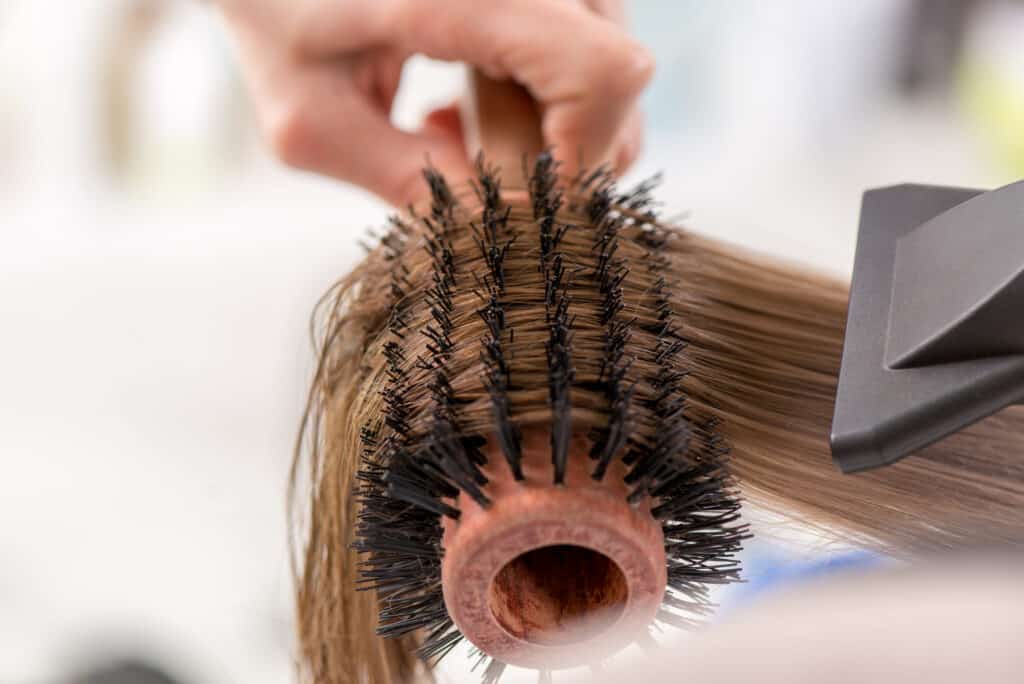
[767,571]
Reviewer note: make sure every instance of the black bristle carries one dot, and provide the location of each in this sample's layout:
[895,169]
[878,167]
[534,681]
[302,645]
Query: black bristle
[494,245]
[439,641]
[443,445]
[609,275]
[416,458]
[560,377]
[640,198]
[588,184]
[543,193]
[447,450]
[406,480]
[493,673]
[547,200]
[611,439]
[683,466]
[442,200]
[412,485]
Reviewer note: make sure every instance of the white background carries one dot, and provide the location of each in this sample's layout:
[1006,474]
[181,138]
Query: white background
[153,337]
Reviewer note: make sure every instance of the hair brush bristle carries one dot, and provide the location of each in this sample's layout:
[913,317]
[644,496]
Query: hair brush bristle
[421,455]
[436,349]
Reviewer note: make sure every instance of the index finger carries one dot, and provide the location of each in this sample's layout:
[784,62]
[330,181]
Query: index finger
[584,70]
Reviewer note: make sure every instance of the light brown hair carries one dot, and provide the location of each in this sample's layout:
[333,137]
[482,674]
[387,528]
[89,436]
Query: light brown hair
[764,343]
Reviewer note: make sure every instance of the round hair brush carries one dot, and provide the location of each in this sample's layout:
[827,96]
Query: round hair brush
[533,478]
[533,406]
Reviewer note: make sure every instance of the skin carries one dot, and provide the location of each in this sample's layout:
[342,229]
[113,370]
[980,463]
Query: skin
[945,621]
[324,74]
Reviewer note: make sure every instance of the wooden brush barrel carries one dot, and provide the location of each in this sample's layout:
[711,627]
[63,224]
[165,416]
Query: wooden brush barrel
[552,576]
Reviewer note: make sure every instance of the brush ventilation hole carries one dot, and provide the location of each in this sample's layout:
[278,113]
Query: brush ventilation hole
[558,595]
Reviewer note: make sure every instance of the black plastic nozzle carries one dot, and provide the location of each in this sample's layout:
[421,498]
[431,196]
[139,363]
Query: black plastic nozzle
[935,331]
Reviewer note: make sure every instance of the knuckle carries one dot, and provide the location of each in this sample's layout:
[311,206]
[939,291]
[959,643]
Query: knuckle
[564,130]
[631,66]
[405,17]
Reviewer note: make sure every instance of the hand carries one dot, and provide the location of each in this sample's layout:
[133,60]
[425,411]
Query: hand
[324,74]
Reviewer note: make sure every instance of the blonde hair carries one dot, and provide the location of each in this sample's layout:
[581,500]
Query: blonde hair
[761,361]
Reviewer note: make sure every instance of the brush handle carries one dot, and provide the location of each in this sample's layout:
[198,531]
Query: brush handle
[501,119]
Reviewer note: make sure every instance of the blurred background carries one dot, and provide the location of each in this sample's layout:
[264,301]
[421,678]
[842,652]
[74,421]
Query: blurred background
[158,268]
